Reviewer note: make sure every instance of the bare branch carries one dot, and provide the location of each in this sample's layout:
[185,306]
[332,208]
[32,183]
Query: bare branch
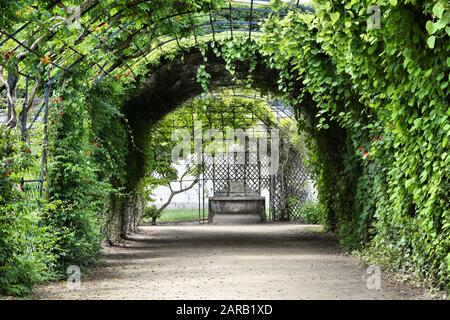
[33,94]
[10,84]
[28,104]
[174,193]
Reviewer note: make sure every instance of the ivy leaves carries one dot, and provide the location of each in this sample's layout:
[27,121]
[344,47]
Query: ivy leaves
[203,77]
[334,17]
[436,27]
[431,41]
[381,84]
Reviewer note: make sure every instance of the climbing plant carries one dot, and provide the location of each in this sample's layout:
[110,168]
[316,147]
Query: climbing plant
[368,81]
[373,103]
[87,151]
[26,249]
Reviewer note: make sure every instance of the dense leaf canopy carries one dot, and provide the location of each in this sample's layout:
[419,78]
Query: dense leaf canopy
[373,102]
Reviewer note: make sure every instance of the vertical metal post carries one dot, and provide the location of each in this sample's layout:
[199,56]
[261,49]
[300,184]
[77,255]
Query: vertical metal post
[199,181]
[214,171]
[271,188]
[44,169]
[251,20]
[231,20]
[212,26]
[258,161]
[41,189]
[23,118]
[225,149]
[203,185]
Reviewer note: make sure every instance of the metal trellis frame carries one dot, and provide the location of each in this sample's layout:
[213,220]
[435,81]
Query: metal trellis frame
[119,36]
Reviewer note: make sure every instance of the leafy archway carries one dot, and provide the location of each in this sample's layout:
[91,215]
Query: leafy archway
[175,80]
[373,101]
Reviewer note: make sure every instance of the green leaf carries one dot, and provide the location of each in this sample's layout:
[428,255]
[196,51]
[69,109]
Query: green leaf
[438,10]
[390,90]
[444,142]
[431,40]
[335,17]
[393,2]
[430,27]
[448,262]
[408,183]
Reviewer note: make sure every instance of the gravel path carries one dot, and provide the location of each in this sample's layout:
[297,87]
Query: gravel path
[267,261]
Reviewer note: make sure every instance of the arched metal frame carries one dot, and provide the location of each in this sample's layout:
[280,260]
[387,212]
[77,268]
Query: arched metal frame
[67,56]
[120,41]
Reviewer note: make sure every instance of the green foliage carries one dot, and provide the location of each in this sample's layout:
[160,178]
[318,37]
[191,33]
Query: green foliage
[312,212]
[88,148]
[373,104]
[151,212]
[238,50]
[395,149]
[74,189]
[12,10]
[203,77]
[109,131]
[26,248]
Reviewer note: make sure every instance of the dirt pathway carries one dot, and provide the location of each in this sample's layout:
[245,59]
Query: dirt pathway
[271,261]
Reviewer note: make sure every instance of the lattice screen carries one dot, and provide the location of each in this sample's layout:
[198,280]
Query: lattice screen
[224,167]
[288,187]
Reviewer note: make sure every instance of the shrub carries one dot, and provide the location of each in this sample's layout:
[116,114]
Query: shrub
[151,212]
[26,248]
[312,212]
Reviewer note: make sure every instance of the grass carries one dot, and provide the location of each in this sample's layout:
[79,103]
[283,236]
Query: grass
[309,213]
[178,215]
[175,215]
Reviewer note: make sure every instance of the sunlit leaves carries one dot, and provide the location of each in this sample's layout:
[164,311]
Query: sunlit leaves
[334,17]
[404,85]
[431,41]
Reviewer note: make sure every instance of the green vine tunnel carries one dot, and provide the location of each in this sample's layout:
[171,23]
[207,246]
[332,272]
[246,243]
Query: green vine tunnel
[162,45]
[180,83]
[174,82]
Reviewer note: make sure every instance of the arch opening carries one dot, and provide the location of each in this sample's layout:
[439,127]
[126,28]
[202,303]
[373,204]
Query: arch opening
[175,81]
